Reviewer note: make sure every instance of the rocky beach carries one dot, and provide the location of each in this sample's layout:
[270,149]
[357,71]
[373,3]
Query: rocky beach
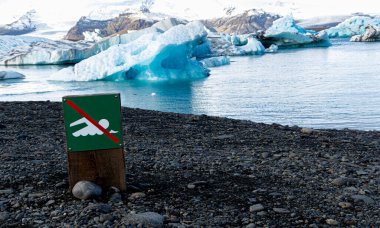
[192,171]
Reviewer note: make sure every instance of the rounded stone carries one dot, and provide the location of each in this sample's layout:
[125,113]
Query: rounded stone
[86,190]
[256,208]
[332,222]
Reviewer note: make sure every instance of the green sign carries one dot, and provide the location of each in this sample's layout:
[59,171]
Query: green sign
[92,122]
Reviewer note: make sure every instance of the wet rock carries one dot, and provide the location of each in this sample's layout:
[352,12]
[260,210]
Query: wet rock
[4,216]
[332,222]
[343,181]
[256,208]
[191,186]
[306,130]
[98,208]
[136,195]
[116,197]
[147,219]
[345,204]
[86,190]
[50,202]
[281,210]
[6,191]
[363,198]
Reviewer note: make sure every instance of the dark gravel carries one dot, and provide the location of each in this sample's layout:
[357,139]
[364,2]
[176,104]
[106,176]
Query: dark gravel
[194,171]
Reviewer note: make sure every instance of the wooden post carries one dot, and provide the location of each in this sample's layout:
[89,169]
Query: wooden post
[103,167]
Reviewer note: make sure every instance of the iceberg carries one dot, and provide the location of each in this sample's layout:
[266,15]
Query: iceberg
[353,26]
[223,45]
[40,51]
[215,61]
[10,75]
[272,49]
[286,33]
[153,56]
[252,47]
[372,34]
[8,43]
[24,50]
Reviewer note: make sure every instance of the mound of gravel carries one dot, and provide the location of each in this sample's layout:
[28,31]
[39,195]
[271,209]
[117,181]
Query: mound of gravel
[187,170]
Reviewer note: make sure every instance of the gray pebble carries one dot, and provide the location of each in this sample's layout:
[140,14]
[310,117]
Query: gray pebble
[6,191]
[256,208]
[50,202]
[116,197]
[343,181]
[345,204]
[363,198]
[148,219]
[86,190]
[136,195]
[4,216]
[281,210]
[332,222]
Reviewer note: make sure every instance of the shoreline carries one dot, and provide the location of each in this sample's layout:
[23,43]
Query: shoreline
[194,171]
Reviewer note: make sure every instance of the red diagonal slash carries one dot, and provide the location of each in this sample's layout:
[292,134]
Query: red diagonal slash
[96,124]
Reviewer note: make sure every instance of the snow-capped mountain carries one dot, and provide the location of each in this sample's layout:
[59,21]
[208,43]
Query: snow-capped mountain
[27,23]
[98,25]
[325,22]
[250,21]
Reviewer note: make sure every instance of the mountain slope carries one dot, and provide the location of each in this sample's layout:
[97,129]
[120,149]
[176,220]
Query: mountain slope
[325,22]
[27,23]
[250,21]
[121,24]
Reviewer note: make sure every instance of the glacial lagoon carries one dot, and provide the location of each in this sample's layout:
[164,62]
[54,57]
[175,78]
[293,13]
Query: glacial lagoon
[335,87]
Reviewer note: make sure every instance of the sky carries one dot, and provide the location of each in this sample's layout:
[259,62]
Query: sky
[71,10]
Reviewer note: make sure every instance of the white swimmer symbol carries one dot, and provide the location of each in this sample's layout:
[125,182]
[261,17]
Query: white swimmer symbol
[90,129]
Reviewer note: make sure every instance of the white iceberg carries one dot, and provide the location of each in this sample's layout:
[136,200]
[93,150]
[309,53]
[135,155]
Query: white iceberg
[10,75]
[353,26]
[215,61]
[17,50]
[372,34]
[272,49]
[8,43]
[152,56]
[222,45]
[286,33]
[24,50]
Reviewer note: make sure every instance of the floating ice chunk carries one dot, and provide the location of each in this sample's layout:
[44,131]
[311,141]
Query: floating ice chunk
[152,56]
[286,33]
[238,40]
[252,47]
[371,34]
[272,49]
[216,61]
[10,75]
[353,26]
[219,45]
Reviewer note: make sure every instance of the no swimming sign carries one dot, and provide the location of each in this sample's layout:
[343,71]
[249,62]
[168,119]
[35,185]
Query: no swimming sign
[92,122]
[94,139]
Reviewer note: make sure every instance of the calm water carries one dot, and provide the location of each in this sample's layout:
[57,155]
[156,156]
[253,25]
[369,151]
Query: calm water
[336,87]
